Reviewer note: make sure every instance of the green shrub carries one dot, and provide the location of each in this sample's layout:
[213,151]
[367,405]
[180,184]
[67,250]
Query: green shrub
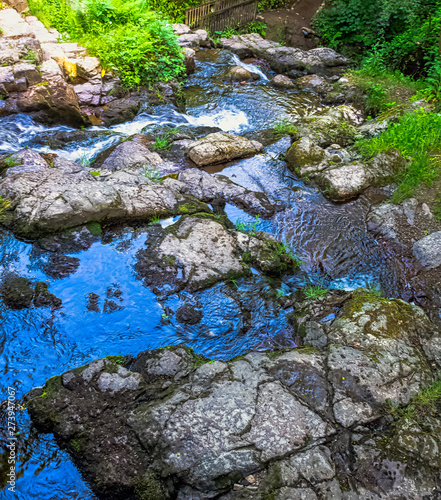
[393,34]
[135,43]
[265,5]
[416,136]
[253,27]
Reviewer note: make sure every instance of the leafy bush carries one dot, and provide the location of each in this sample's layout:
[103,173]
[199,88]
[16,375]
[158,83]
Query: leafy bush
[240,29]
[135,43]
[416,136]
[395,34]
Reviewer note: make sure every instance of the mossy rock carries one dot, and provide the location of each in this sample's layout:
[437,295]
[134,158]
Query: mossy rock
[382,317]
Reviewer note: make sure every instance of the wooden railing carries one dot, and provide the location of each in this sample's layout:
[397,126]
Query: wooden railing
[221,14]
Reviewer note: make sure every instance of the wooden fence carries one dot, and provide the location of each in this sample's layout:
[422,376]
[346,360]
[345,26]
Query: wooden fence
[221,14]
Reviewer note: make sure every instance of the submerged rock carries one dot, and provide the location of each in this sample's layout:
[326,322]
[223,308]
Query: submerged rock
[18,292]
[290,424]
[198,251]
[221,147]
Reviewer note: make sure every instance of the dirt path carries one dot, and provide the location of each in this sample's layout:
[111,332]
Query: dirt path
[285,25]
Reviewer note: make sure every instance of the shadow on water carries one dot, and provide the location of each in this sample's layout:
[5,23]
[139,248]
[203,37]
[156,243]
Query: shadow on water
[106,310]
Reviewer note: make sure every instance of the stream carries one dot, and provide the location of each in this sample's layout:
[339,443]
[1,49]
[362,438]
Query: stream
[106,310]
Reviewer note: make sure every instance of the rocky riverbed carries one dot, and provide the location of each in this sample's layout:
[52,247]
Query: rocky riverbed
[193,298]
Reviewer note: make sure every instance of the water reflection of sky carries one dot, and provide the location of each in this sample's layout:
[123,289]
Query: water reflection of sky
[127,317]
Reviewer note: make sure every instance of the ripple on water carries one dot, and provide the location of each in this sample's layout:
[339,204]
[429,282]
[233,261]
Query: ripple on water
[107,311]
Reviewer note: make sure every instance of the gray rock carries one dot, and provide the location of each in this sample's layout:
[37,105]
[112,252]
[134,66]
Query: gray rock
[349,180]
[45,199]
[314,465]
[281,82]
[221,147]
[238,74]
[189,62]
[428,250]
[196,252]
[206,187]
[28,71]
[314,82]
[368,342]
[131,155]
[181,427]
[283,59]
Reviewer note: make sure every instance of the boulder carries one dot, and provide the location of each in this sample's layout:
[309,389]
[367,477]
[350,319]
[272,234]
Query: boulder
[13,26]
[284,59]
[196,252]
[305,154]
[335,125]
[239,74]
[208,188]
[180,29]
[347,181]
[46,198]
[371,337]
[428,250]
[281,82]
[221,147]
[28,71]
[52,102]
[18,292]
[18,5]
[281,422]
[193,38]
[131,154]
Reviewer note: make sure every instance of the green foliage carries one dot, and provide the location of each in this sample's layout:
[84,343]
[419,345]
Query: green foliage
[432,92]
[85,161]
[391,34]
[165,140]
[314,291]
[427,403]
[437,208]
[31,57]
[151,175]
[245,227]
[252,27]
[374,290]
[417,136]
[130,40]
[284,127]
[10,161]
[265,5]
[154,220]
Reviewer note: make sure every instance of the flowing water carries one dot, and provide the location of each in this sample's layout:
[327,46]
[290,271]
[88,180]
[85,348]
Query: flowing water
[106,310]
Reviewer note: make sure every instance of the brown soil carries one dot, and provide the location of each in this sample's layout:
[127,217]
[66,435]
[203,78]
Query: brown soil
[285,25]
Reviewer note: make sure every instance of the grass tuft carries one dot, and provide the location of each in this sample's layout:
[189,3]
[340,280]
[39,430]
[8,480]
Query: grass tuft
[416,136]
